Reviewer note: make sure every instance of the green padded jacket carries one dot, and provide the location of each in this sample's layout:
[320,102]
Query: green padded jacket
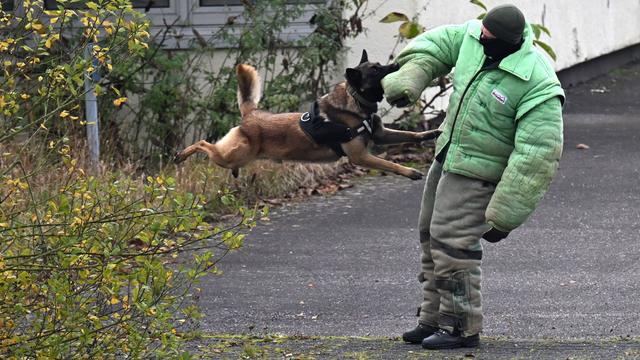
[503,125]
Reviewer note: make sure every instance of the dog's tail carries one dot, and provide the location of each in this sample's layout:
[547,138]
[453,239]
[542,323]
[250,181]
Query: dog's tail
[248,88]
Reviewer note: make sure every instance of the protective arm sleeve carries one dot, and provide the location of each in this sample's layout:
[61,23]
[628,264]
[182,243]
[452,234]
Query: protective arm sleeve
[531,167]
[427,57]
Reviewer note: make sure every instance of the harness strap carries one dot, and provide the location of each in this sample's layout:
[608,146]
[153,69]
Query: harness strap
[330,133]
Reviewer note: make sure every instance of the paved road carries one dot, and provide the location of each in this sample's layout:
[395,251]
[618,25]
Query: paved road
[347,265]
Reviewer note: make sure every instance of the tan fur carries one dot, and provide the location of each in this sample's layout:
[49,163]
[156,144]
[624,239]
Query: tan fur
[262,134]
[248,88]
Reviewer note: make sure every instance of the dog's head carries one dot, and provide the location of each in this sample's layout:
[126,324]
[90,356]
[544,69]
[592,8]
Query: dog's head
[366,77]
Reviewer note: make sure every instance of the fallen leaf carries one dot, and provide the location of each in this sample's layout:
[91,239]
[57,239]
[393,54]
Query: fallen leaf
[582,146]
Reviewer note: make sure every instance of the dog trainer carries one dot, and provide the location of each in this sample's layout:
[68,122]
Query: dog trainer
[499,150]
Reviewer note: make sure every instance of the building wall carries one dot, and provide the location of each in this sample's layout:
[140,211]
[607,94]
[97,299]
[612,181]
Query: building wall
[581,29]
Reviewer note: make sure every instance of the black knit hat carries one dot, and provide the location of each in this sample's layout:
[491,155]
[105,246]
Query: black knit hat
[506,22]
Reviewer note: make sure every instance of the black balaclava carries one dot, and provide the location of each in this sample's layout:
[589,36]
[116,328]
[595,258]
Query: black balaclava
[506,23]
[498,49]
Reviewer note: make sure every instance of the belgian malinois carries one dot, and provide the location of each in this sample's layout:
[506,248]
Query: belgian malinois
[264,135]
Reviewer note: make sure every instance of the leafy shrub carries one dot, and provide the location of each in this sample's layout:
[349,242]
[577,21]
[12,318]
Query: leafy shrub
[91,266]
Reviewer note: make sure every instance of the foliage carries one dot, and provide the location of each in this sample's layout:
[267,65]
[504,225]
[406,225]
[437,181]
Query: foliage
[91,266]
[104,266]
[44,67]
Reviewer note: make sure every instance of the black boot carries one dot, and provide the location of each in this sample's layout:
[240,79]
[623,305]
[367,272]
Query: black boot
[443,339]
[418,334]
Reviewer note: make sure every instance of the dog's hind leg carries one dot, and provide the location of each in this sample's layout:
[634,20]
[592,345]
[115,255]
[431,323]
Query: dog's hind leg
[232,151]
[200,146]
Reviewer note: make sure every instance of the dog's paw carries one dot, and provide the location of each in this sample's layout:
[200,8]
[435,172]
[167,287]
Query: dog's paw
[415,175]
[430,134]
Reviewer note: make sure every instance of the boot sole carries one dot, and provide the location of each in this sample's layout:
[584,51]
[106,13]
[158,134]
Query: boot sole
[413,341]
[468,344]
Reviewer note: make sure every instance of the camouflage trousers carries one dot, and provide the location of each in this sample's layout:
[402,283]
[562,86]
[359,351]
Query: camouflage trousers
[451,224]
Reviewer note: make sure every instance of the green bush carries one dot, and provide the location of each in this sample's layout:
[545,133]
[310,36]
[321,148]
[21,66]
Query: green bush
[103,267]
[91,266]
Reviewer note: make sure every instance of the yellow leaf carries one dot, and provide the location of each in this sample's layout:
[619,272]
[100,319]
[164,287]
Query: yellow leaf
[4,225]
[119,101]
[53,12]
[64,114]
[53,38]
[114,300]
[43,127]
[37,26]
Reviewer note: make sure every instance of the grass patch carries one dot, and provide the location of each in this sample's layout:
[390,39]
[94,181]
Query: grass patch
[272,346]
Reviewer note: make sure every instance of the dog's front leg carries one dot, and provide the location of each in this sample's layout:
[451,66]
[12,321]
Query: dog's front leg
[383,135]
[358,155]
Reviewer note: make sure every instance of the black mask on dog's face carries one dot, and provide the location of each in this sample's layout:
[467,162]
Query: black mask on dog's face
[498,49]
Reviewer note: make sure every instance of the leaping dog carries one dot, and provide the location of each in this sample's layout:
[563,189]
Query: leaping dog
[339,123]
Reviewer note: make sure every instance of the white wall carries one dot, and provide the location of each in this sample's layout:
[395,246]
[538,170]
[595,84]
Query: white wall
[580,29]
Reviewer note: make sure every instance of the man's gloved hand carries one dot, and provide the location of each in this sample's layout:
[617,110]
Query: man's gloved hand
[403,87]
[494,235]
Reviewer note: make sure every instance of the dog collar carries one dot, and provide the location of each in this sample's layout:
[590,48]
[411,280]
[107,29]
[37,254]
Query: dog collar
[366,106]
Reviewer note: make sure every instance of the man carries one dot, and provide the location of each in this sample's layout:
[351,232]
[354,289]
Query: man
[499,149]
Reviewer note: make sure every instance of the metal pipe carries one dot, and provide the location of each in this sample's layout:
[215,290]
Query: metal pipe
[91,110]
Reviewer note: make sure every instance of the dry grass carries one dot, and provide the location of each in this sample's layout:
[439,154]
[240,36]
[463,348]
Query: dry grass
[260,181]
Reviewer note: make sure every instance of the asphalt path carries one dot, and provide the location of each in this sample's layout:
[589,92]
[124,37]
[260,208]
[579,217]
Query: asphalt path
[347,264]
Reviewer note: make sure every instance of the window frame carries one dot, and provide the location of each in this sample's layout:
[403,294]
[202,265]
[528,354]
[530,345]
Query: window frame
[186,15]
[14,6]
[208,19]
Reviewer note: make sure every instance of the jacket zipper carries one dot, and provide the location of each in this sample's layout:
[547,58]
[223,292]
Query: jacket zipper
[464,93]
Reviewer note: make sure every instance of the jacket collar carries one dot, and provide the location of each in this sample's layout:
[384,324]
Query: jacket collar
[521,62]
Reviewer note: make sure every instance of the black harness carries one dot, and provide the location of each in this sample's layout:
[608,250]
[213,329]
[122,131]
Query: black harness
[332,134]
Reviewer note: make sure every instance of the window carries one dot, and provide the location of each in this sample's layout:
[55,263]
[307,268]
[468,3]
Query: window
[204,16]
[7,5]
[53,4]
[150,3]
[239,2]
[207,16]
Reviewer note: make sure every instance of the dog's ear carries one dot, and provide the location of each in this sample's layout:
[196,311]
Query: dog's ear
[354,77]
[364,57]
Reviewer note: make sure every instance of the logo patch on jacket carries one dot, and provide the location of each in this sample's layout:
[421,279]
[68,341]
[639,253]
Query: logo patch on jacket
[502,99]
